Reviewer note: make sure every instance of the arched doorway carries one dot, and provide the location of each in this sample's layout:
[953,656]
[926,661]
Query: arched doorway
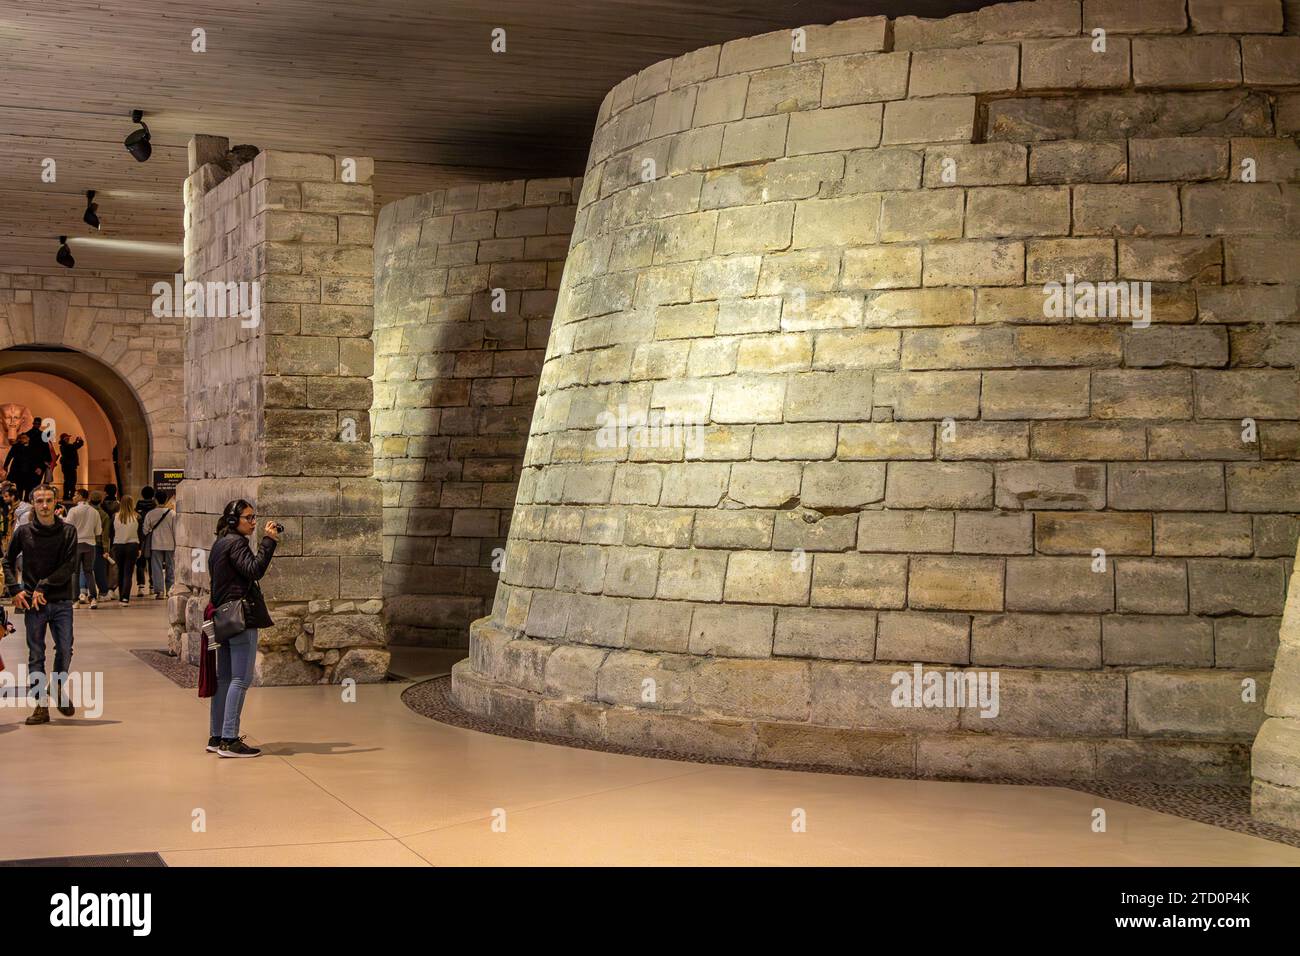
[91,396]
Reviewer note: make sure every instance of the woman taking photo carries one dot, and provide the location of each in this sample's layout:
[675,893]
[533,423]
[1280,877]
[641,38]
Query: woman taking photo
[126,546]
[234,570]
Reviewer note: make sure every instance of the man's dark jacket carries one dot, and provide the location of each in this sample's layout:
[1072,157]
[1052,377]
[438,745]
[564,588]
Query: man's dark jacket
[49,559]
[69,457]
[235,570]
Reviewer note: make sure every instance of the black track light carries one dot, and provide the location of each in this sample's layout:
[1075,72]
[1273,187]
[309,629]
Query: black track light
[64,256]
[137,141]
[90,218]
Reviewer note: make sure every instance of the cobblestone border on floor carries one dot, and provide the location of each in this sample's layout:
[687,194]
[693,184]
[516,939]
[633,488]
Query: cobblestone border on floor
[178,670]
[1222,806]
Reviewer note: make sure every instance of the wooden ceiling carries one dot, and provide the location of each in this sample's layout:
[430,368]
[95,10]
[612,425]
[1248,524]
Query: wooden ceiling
[412,83]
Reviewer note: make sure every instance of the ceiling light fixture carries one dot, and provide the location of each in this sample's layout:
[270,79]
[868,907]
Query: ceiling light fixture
[90,218]
[137,141]
[64,256]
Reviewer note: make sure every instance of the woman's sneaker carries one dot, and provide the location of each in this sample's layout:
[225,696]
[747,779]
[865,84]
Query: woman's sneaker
[237,748]
[214,744]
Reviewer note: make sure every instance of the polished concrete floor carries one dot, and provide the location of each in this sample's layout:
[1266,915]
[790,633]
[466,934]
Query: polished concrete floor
[371,783]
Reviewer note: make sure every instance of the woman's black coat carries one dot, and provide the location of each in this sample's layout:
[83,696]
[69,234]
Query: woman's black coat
[235,570]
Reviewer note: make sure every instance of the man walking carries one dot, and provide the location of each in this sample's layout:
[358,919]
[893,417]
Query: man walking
[87,521]
[48,546]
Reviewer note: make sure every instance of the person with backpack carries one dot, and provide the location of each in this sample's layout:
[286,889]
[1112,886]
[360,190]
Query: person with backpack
[159,526]
[234,570]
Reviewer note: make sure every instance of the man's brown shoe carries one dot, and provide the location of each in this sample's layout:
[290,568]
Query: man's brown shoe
[41,715]
[66,709]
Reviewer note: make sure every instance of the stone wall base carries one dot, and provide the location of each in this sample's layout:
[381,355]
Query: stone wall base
[923,754]
[1275,764]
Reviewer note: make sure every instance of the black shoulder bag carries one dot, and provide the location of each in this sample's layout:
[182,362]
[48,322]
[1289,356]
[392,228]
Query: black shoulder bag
[228,620]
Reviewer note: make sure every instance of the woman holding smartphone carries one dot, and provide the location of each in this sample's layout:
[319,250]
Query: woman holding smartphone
[235,569]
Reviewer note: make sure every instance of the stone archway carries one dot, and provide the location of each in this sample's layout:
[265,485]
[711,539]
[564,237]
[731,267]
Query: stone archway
[107,341]
[119,403]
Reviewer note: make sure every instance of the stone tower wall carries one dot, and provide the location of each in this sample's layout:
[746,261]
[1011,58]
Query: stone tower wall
[894,452]
[466,284]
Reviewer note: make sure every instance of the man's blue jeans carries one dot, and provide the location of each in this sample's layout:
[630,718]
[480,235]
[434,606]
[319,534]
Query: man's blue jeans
[57,616]
[235,661]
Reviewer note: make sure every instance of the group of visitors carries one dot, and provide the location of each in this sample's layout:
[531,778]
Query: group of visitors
[44,553]
[32,459]
[120,543]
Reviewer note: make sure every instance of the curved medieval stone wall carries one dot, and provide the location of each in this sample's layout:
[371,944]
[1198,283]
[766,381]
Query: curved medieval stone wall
[826,259]
[465,286]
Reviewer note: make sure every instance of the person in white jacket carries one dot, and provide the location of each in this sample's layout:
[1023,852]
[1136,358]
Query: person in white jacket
[87,522]
[126,546]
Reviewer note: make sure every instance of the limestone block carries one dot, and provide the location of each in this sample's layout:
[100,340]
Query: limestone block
[680,734]
[1059,584]
[1037,640]
[1206,534]
[939,485]
[981,164]
[821,633]
[957,583]
[1119,16]
[968,755]
[777,690]
[836,128]
[277,669]
[1186,62]
[1194,704]
[938,119]
[1219,586]
[363,665]
[1151,587]
[1054,704]
[838,747]
[1235,16]
[840,484]
[985,69]
[732,631]
[1078,161]
[1152,639]
[859,581]
[993,533]
[931,638]
[858,695]
[1032,486]
[869,78]
[1074,63]
[1165,486]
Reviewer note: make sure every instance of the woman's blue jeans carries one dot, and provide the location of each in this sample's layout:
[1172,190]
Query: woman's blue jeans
[235,660]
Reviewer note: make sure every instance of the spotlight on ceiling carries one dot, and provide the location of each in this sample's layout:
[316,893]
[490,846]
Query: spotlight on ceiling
[90,218]
[137,141]
[64,256]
